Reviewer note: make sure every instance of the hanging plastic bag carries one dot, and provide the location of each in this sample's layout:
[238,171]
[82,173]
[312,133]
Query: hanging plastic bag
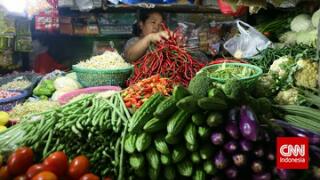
[248,43]
[84,5]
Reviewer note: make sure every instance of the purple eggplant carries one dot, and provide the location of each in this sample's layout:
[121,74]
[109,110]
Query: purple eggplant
[315,150]
[284,174]
[245,145]
[220,160]
[217,138]
[259,152]
[232,129]
[257,166]
[231,146]
[239,159]
[262,176]
[231,172]
[248,125]
[314,137]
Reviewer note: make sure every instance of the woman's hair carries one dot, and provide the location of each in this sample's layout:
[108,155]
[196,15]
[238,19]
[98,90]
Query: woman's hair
[143,16]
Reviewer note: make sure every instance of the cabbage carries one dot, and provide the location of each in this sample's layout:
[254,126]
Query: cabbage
[307,37]
[66,84]
[300,23]
[288,37]
[56,95]
[315,18]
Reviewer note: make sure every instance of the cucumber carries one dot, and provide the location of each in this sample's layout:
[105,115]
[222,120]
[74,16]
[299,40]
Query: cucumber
[165,159]
[189,104]
[143,142]
[178,154]
[204,132]
[198,119]
[161,145]
[199,175]
[166,108]
[130,143]
[209,168]
[206,152]
[172,139]
[190,133]
[154,125]
[212,103]
[177,122]
[192,147]
[140,172]
[169,172]
[153,173]
[195,158]
[185,168]
[214,119]
[145,113]
[180,92]
[153,158]
[136,161]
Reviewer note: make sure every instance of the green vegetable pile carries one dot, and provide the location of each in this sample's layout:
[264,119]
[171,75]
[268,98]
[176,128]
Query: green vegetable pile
[91,126]
[44,89]
[231,72]
[266,57]
[169,137]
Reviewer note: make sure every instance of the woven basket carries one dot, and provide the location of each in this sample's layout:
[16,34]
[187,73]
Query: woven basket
[248,82]
[32,77]
[8,103]
[98,77]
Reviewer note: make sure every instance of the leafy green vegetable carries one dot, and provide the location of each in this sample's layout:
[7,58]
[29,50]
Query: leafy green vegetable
[229,72]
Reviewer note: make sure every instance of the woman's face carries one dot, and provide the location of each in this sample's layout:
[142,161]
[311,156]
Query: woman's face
[152,24]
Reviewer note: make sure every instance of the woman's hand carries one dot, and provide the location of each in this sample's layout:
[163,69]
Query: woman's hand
[156,37]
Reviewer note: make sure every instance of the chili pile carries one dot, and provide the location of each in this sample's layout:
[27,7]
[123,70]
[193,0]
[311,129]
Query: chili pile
[167,59]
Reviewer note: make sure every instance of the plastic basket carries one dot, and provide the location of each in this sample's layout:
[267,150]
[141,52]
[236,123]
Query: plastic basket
[99,77]
[32,77]
[68,96]
[8,103]
[247,81]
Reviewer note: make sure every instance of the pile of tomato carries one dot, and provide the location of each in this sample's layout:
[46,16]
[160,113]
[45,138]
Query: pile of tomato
[20,166]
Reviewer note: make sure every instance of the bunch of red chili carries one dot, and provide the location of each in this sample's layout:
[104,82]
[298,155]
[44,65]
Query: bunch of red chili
[169,60]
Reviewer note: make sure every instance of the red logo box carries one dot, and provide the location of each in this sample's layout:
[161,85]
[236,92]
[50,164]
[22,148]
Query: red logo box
[292,153]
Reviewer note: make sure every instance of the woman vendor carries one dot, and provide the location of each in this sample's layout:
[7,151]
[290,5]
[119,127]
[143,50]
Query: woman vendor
[147,30]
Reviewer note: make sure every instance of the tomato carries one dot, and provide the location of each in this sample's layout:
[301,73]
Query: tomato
[22,177]
[4,173]
[57,163]
[78,167]
[89,176]
[35,169]
[107,178]
[20,160]
[45,175]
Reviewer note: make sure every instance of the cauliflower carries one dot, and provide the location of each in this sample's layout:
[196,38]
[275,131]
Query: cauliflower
[281,66]
[307,74]
[266,86]
[286,97]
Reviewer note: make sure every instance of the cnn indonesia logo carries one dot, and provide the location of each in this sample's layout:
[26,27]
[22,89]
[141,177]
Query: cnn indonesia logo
[292,153]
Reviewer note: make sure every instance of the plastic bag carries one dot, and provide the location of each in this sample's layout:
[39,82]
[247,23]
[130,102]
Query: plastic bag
[84,5]
[248,43]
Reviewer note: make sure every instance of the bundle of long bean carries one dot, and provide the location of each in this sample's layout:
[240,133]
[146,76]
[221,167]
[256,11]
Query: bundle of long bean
[169,60]
[90,126]
[266,57]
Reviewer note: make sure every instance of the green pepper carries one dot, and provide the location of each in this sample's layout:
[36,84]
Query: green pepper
[49,85]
